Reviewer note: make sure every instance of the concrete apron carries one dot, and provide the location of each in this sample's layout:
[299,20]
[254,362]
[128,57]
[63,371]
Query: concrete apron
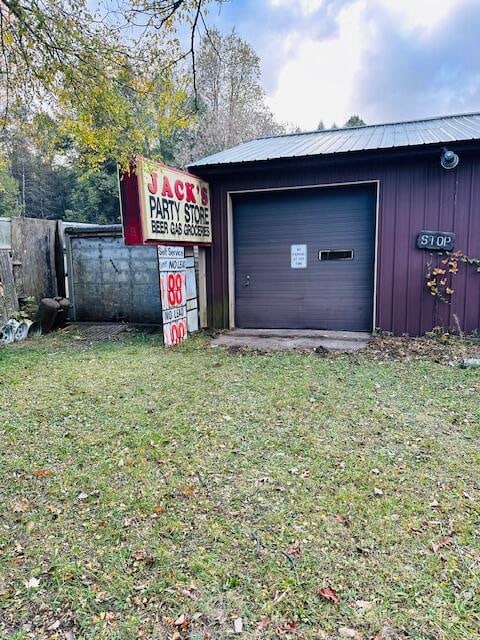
[293,340]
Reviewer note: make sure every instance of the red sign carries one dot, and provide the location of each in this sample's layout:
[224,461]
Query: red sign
[162,205]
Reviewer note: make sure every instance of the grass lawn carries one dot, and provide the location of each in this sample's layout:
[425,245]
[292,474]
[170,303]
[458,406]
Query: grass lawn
[160,494]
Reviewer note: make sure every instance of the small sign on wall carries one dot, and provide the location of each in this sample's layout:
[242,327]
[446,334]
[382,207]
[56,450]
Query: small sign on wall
[436,240]
[298,256]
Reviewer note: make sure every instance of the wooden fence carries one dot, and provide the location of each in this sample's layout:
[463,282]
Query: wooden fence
[32,266]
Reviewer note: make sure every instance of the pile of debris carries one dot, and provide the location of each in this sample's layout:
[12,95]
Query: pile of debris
[52,314]
[440,348]
[15,331]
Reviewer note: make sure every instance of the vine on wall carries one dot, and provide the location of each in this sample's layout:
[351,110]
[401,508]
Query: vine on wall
[440,278]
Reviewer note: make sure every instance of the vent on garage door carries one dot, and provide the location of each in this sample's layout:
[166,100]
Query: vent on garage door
[335,254]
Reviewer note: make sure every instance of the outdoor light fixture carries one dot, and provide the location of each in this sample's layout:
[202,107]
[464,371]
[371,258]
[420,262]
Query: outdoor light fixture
[449,159]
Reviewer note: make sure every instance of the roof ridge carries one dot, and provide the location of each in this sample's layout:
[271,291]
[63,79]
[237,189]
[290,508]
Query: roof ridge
[366,126]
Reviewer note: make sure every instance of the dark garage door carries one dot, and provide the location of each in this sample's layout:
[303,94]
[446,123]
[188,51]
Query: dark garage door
[326,280]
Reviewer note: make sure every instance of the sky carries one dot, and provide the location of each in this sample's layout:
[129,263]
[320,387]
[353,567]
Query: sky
[385,60]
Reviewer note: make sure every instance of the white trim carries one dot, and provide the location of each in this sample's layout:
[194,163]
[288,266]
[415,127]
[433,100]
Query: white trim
[231,255]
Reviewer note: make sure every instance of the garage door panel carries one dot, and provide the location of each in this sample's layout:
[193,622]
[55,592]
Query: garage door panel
[327,294]
[112,282]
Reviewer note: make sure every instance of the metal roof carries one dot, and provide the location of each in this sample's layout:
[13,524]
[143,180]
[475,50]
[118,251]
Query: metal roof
[446,129]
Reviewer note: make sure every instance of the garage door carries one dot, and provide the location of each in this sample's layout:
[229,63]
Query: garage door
[111,282]
[305,258]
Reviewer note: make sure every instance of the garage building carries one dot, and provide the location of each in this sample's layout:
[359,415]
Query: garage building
[319,230]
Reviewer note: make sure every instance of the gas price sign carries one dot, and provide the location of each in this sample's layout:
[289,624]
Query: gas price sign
[173,277]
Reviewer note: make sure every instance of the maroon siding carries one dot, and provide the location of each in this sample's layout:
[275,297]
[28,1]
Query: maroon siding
[415,193]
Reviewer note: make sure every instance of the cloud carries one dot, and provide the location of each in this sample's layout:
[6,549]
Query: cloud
[316,83]
[383,59]
[405,75]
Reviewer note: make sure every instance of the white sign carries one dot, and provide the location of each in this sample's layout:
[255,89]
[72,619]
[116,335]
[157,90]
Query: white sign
[173,292]
[179,294]
[298,256]
[171,252]
[174,205]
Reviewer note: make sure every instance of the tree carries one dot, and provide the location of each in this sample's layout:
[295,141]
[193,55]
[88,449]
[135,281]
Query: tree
[231,101]
[320,126]
[44,177]
[96,72]
[95,197]
[9,191]
[354,121]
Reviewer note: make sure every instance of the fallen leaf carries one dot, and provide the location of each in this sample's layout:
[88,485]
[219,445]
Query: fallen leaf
[32,583]
[102,596]
[191,592]
[329,594]
[82,496]
[53,509]
[434,504]
[443,542]
[347,632]
[158,509]
[69,635]
[377,491]
[187,491]
[293,548]
[182,622]
[108,617]
[264,623]
[43,473]
[21,506]
[54,626]
[288,627]
[365,605]
[340,518]
[238,625]
[221,617]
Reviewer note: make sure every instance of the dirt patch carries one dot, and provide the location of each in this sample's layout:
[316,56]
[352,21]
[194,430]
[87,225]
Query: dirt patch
[97,331]
[445,349]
